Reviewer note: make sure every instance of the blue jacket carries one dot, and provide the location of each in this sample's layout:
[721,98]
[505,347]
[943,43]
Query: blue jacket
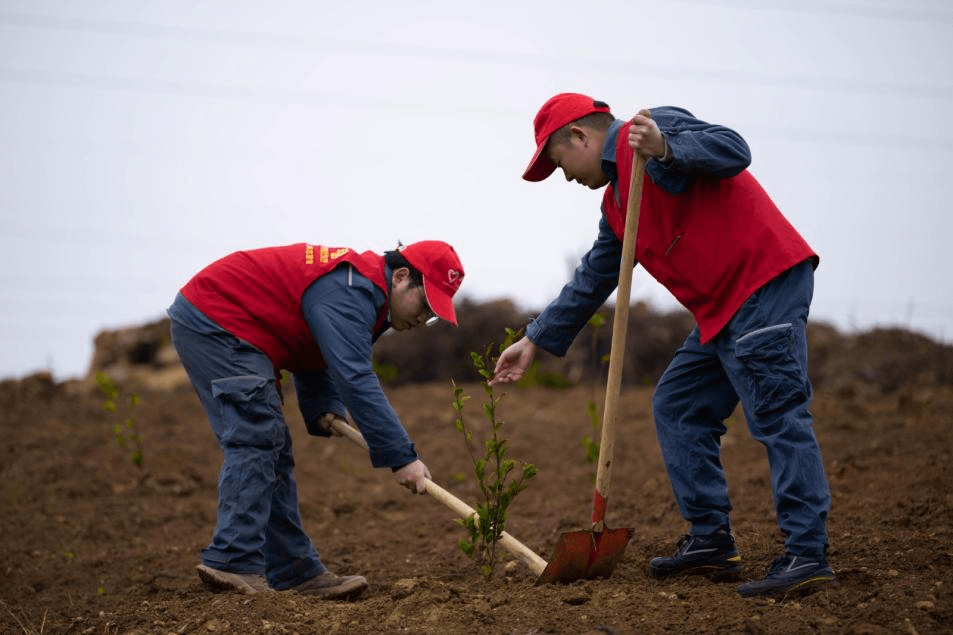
[698,149]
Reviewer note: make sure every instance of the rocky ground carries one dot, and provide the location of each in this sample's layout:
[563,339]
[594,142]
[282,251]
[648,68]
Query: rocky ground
[93,544]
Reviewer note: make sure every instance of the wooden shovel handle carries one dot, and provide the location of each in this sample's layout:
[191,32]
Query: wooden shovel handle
[526,555]
[620,325]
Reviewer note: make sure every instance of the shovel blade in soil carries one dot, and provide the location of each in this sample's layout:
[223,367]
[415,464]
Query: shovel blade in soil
[584,555]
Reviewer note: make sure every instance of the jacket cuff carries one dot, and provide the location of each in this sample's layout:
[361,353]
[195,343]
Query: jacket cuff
[313,409]
[393,457]
[537,334]
[314,427]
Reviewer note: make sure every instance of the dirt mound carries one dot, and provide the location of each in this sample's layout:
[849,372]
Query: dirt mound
[93,544]
[887,359]
[884,360]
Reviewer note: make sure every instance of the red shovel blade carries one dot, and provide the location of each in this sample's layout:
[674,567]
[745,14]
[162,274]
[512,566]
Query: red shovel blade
[584,555]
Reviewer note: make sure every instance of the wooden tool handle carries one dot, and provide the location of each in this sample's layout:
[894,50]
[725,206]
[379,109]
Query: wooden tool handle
[619,327]
[526,555]
[535,563]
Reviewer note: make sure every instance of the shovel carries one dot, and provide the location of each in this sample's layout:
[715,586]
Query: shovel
[584,555]
[523,553]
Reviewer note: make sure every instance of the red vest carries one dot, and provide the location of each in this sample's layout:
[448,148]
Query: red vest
[256,296]
[712,246]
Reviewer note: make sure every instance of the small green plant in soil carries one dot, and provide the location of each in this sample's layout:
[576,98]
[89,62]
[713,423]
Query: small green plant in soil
[125,428]
[493,470]
[385,372]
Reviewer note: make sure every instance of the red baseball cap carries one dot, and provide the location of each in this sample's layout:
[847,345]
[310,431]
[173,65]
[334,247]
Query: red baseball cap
[557,112]
[442,273]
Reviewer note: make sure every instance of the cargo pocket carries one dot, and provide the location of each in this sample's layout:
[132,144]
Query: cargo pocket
[249,411]
[774,376]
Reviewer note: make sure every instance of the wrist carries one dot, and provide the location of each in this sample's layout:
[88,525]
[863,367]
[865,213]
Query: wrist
[666,156]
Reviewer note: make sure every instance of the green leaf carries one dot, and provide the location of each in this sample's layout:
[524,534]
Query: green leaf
[553,380]
[592,450]
[593,414]
[528,380]
[106,385]
[384,371]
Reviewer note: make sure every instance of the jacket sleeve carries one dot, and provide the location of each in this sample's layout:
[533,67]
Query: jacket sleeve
[341,311]
[594,280]
[317,395]
[699,149]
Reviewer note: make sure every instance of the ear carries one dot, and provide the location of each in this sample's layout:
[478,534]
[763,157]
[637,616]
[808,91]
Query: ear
[398,276]
[578,132]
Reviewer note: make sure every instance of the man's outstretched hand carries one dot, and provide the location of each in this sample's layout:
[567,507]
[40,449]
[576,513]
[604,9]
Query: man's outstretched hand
[514,362]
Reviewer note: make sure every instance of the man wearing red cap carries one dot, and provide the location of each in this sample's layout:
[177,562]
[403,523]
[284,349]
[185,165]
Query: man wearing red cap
[711,235]
[315,311]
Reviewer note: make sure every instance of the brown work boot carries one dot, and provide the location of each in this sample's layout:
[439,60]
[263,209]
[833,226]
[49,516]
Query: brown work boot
[226,581]
[330,586]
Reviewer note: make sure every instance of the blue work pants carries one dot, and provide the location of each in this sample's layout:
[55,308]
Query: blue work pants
[258,527]
[760,357]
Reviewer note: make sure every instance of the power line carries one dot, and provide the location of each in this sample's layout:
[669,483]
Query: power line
[317,99]
[392,50]
[891,14]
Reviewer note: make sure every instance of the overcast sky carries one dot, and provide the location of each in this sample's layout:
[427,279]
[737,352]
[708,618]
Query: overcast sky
[139,141]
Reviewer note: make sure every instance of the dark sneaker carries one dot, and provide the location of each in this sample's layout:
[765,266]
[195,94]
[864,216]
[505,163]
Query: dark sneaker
[712,555]
[227,581]
[330,586]
[791,574]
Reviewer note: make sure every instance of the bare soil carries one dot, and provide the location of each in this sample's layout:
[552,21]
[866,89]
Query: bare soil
[92,544]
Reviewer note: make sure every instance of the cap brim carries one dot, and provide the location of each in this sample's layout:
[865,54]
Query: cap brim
[539,167]
[440,303]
